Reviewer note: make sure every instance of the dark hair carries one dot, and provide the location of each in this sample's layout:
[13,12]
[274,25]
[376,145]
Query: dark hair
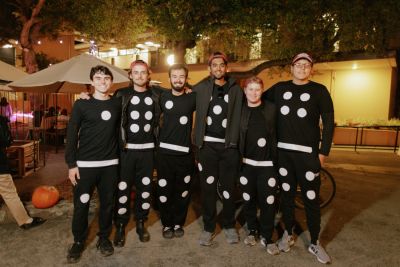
[178,67]
[254,79]
[3,101]
[51,112]
[64,112]
[100,69]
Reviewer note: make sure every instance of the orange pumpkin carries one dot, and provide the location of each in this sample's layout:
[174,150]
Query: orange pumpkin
[45,197]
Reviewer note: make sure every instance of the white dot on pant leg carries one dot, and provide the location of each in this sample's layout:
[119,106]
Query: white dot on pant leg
[185,193]
[145,195]
[122,185]
[187,179]
[310,194]
[243,180]
[163,199]
[286,187]
[145,206]
[261,142]
[270,200]
[310,176]
[162,182]
[226,194]
[84,198]
[272,182]
[123,199]
[283,171]
[200,167]
[146,180]
[246,196]
[121,211]
[210,180]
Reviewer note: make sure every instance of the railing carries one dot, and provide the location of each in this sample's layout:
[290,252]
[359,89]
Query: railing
[368,136]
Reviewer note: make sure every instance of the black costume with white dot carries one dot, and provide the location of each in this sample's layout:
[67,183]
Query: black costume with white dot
[258,178]
[217,112]
[175,163]
[92,145]
[300,108]
[137,157]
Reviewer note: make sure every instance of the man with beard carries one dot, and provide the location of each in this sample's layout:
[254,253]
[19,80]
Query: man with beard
[139,123]
[175,162]
[218,101]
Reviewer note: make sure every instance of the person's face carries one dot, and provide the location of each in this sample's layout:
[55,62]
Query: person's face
[139,75]
[301,70]
[253,92]
[218,68]
[101,82]
[178,79]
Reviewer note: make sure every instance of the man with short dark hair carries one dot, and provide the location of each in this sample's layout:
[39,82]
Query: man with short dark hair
[92,157]
[218,107]
[301,103]
[175,162]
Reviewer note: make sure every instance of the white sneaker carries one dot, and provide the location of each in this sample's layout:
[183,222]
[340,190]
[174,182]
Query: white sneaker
[205,238]
[231,236]
[251,238]
[320,253]
[272,249]
[285,242]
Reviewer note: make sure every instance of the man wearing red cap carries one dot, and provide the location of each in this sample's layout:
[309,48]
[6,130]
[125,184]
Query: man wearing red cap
[139,123]
[301,103]
[218,108]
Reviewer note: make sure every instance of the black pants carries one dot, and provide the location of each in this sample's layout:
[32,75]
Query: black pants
[259,185]
[297,168]
[175,174]
[136,169]
[105,179]
[218,164]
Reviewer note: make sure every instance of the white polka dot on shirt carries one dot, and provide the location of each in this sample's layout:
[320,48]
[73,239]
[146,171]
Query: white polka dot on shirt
[226,98]
[135,100]
[106,115]
[310,176]
[209,120]
[169,104]
[183,120]
[148,101]
[135,115]
[146,128]
[285,110]
[217,109]
[287,95]
[148,115]
[224,123]
[301,112]
[305,97]
[134,128]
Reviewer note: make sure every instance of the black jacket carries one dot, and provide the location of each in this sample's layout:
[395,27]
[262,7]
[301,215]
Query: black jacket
[126,94]
[204,91]
[269,112]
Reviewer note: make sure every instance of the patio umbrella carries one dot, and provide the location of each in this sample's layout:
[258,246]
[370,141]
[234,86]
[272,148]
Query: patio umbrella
[10,73]
[70,76]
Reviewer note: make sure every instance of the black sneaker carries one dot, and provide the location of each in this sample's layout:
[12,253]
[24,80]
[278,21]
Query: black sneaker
[75,252]
[178,231]
[119,239]
[36,221]
[105,246]
[167,232]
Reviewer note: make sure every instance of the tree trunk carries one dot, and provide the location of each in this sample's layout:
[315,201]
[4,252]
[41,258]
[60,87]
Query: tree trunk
[180,49]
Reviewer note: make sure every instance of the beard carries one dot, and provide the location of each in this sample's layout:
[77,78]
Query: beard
[178,87]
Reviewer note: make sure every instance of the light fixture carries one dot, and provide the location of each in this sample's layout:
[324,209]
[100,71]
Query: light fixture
[140,45]
[39,42]
[7,46]
[355,66]
[149,43]
[61,41]
[171,60]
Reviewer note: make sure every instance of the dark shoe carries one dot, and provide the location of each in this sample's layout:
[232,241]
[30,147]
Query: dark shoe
[105,246]
[119,239]
[167,232]
[75,252]
[178,231]
[144,236]
[35,222]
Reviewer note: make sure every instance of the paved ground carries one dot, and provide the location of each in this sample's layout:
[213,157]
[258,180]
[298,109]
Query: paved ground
[360,227]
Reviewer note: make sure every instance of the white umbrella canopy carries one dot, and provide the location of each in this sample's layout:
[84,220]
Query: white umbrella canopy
[10,73]
[70,76]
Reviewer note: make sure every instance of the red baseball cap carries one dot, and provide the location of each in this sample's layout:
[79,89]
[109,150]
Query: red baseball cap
[217,55]
[140,62]
[303,56]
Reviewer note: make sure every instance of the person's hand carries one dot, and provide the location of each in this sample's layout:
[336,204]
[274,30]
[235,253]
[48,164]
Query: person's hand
[322,159]
[187,90]
[84,95]
[73,175]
